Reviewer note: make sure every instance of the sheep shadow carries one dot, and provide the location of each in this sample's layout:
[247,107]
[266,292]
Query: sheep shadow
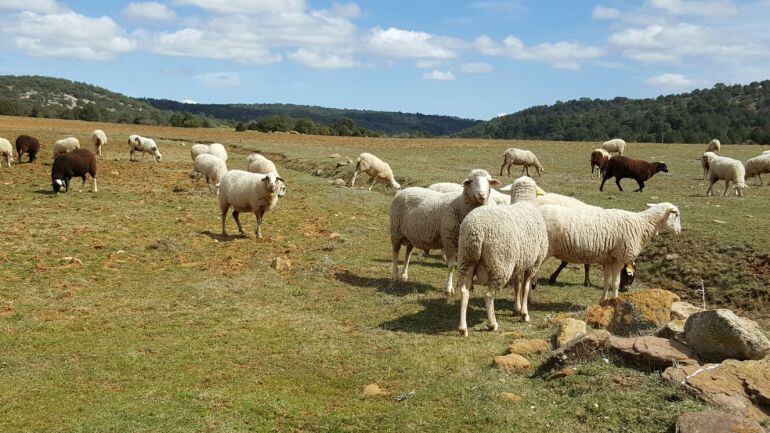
[220,237]
[554,307]
[417,262]
[384,285]
[44,192]
[440,316]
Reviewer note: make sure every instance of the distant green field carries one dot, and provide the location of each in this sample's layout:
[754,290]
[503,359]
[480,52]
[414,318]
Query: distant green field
[168,327]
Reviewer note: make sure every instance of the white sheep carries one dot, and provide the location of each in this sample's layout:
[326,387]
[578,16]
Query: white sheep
[6,151]
[500,244]
[218,150]
[258,163]
[729,170]
[496,196]
[704,162]
[143,145]
[65,145]
[714,146]
[609,237]
[212,168]
[249,192]
[198,149]
[377,169]
[425,219]
[616,145]
[525,158]
[98,139]
[767,152]
[757,166]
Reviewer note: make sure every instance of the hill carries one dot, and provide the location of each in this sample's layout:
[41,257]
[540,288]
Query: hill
[733,114]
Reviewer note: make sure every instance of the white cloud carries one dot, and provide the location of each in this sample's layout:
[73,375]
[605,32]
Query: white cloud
[246,6]
[439,75]
[561,55]
[153,11]
[719,8]
[428,63]
[219,79]
[604,13]
[395,42]
[318,60]
[189,101]
[507,7]
[347,10]
[476,68]
[212,45]
[39,6]
[670,81]
[67,35]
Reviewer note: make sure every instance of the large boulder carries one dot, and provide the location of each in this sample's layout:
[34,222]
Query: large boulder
[569,329]
[652,352]
[598,316]
[714,421]
[683,310]
[717,335]
[641,313]
[580,349]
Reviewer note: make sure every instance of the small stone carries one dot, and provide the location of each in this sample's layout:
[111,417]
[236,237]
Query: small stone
[529,347]
[281,264]
[335,155]
[319,172]
[115,173]
[373,390]
[511,362]
[569,329]
[713,421]
[70,261]
[509,396]
[120,252]
[671,257]
[683,310]
[334,235]
[564,372]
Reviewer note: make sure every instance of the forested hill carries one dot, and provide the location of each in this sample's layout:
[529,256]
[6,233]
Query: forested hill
[733,114]
[390,123]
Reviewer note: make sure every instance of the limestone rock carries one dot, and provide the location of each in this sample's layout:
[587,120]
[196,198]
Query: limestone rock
[569,329]
[683,310]
[673,330]
[583,348]
[642,312]
[717,335]
[511,362]
[509,396]
[714,421]
[527,347]
[652,352]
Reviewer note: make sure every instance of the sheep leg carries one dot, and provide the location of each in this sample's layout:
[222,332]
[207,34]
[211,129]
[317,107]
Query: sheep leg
[587,279]
[617,182]
[67,185]
[224,210]
[727,185]
[601,187]
[501,168]
[489,302]
[555,275]
[407,257]
[759,176]
[260,215]
[96,189]
[517,294]
[607,282]
[238,221]
[710,191]
[467,281]
[641,186]
[526,285]
[451,262]
[353,179]
[616,279]
[372,181]
[394,265]
[509,170]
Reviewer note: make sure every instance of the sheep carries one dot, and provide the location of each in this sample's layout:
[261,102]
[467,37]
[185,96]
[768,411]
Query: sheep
[257,163]
[249,192]
[499,244]
[212,168]
[99,139]
[616,145]
[729,170]
[714,146]
[609,237]
[144,145]
[496,196]
[29,145]
[218,150]
[525,158]
[6,151]
[65,145]
[428,220]
[77,163]
[704,163]
[758,165]
[621,167]
[377,169]
[198,149]
[599,158]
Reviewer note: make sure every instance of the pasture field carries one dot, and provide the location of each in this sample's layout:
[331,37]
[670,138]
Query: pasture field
[166,326]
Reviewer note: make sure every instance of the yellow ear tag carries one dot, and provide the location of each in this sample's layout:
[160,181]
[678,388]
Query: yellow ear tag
[630,270]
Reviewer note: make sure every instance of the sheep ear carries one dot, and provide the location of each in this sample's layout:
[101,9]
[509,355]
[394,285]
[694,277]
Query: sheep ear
[280,178]
[506,187]
[466,181]
[650,204]
[494,183]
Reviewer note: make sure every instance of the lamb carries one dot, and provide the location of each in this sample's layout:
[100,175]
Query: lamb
[143,145]
[257,163]
[609,237]
[218,150]
[212,168]
[757,166]
[499,244]
[99,139]
[525,158]
[29,145]
[621,167]
[729,170]
[77,163]
[377,169]
[496,196]
[249,192]
[65,145]
[714,146]
[6,151]
[599,158]
[428,220]
[198,149]
[616,145]
[704,162]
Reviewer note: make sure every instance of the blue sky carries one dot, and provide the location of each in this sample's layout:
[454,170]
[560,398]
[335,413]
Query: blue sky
[467,58]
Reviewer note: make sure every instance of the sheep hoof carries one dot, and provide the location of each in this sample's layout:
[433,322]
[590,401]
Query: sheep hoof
[404,277]
[493,327]
[525,317]
[449,291]
[463,332]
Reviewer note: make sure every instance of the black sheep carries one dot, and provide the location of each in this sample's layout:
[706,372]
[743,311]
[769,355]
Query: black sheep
[29,145]
[77,163]
[621,167]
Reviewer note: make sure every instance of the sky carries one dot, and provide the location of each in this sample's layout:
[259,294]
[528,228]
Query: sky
[476,59]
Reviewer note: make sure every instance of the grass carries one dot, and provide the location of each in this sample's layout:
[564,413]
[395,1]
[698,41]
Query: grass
[168,327]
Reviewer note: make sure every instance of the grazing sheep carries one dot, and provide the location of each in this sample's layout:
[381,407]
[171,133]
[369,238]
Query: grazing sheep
[249,192]
[499,244]
[6,151]
[757,166]
[212,168]
[704,162]
[218,150]
[144,146]
[599,158]
[99,139]
[621,167]
[198,149]
[729,170]
[29,145]
[609,237]
[496,196]
[714,146]
[525,158]
[428,220]
[65,145]
[377,169]
[767,152]
[77,163]
[616,145]
[257,163]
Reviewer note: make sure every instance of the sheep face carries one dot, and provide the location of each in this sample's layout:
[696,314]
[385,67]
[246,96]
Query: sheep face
[670,222]
[476,186]
[275,183]
[57,185]
[662,167]
[157,154]
[739,187]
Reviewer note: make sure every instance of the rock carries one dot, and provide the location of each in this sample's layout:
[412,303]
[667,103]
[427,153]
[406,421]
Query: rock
[673,330]
[583,348]
[334,235]
[511,362]
[509,396]
[70,261]
[564,372]
[558,318]
[338,182]
[713,421]
[281,264]
[335,155]
[569,329]
[642,312]
[683,310]
[528,347]
[319,172]
[350,161]
[670,257]
[717,335]
[742,387]
[599,317]
[373,390]
[652,352]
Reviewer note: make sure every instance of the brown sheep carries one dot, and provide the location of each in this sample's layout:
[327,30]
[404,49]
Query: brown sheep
[28,145]
[77,163]
[621,167]
[599,158]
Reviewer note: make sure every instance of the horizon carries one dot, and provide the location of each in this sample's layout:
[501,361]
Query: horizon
[458,60]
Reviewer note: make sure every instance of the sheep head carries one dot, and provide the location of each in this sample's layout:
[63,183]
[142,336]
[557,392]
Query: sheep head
[275,183]
[669,220]
[476,186]
[524,189]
